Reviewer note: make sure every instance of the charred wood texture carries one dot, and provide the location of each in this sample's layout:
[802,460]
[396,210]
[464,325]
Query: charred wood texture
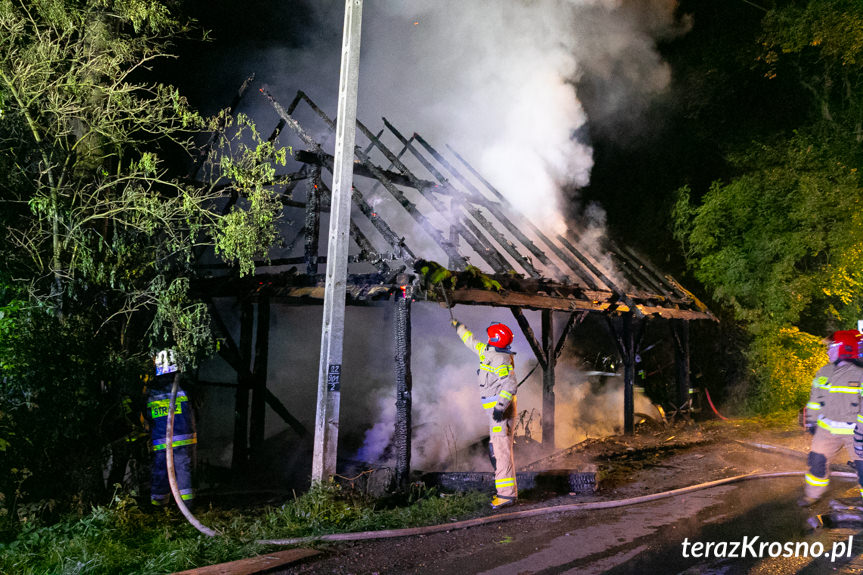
[680,332]
[259,379]
[241,405]
[623,331]
[312,224]
[404,384]
[548,379]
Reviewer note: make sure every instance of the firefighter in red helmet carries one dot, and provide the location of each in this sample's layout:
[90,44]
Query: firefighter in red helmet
[497,385]
[833,412]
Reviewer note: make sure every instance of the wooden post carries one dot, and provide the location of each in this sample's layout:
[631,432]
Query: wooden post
[680,331]
[624,337]
[628,337]
[241,405]
[259,378]
[546,356]
[548,379]
[404,384]
[332,332]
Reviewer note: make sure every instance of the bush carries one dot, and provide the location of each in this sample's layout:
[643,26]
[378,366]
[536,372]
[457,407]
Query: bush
[784,363]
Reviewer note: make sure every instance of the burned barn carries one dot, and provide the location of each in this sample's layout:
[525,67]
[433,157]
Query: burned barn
[427,227]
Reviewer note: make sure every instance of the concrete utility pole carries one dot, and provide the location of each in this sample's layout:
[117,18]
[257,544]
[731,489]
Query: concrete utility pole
[332,336]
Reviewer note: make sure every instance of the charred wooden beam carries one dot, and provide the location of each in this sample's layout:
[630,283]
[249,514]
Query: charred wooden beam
[259,379]
[291,122]
[275,262]
[699,305]
[241,402]
[575,267]
[538,302]
[363,206]
[476,196]
[530,337]
[400,250]
[680,333]
[367,250]
[573,321]
[283,412]
[312,225]
[277,130]
[409,206]
[597,267]
[638,271]
[624,337]
[326,160]
[548,379]
[483,249]
[372,144]
[404,384]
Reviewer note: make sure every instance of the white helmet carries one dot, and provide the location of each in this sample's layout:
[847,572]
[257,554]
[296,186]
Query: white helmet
[166,362]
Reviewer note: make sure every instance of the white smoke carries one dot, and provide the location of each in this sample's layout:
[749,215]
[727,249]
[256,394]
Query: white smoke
[446,409]
[494,79]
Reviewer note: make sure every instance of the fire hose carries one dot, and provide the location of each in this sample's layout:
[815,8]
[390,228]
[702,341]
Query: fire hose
[169,460]
[390,533]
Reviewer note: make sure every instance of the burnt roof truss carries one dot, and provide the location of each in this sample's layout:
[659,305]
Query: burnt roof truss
[415,203]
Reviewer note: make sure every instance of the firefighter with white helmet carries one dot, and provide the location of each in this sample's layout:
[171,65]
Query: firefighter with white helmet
[184,436]
[833,412]
[497,386]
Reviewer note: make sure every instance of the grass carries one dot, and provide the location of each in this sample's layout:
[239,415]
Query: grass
[124,539]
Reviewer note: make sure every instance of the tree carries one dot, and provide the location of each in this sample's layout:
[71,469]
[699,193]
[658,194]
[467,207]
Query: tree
[102,224]
[782,245]
[820,44]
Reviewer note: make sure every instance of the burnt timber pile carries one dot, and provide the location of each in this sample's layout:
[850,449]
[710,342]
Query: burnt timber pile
[428,227]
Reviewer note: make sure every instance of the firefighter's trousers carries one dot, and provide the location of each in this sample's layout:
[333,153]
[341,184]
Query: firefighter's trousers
[160,489]
[500,452]
[825,445]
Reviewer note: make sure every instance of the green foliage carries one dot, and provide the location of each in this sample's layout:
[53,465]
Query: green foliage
[784,363]
[60,411]
[100,225]
[783,242]
[820,44]
[118,539]
[435,275]
[122,539]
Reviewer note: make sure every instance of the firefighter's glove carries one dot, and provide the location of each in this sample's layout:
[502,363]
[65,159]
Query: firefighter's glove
[497,414]
[810,429]
[455,323]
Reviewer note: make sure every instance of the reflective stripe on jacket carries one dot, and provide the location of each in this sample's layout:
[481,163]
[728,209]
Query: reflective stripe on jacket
[158,405]
[834,400]
[496,371]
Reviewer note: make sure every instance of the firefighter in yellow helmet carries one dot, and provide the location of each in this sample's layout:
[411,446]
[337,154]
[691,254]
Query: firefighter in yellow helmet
[497,385]
[833,412]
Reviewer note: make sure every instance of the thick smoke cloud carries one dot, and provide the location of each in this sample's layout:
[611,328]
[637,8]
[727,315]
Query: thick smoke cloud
[496,80]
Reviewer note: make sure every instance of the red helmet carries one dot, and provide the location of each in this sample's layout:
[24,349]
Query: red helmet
[499,335]
[849,342]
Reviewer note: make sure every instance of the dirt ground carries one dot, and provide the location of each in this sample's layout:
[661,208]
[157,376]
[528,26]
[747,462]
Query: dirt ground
[656,458]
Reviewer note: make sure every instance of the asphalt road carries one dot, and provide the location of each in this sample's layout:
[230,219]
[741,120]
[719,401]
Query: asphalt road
[759,516]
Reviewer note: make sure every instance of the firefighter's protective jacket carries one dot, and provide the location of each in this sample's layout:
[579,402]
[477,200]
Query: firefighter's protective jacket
[496,371]
[158,401]
[834,400]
